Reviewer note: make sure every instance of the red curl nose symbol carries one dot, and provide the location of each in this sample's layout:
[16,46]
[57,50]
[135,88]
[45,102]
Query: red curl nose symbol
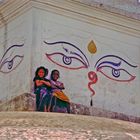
[93,79]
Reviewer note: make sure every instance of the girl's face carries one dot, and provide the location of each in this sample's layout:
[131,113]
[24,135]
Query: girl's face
[55,75]
[41,73]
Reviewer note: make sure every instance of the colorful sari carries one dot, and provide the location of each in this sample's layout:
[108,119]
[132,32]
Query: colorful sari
[41,92]
[59,102]
[53,100]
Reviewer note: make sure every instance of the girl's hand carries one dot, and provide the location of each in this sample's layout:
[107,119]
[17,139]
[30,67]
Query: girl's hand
[61,86]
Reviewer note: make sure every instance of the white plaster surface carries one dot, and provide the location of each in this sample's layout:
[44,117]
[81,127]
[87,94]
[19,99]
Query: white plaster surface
[110,95]
[17,81]
[36,26]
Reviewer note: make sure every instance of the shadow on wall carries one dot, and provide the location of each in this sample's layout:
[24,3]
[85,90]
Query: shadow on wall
[26,102]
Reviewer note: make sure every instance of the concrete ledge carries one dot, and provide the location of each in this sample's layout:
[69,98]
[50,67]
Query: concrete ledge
[113,115]
[26,102]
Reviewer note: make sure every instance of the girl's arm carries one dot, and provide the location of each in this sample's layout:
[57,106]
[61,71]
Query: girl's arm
[47,83]
[38,83]
[41,82]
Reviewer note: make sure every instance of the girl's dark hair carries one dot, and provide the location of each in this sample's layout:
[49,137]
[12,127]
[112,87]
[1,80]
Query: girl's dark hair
[43,68]
[53,71]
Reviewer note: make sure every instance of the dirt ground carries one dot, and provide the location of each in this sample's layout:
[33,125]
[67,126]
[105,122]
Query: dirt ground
[59,126]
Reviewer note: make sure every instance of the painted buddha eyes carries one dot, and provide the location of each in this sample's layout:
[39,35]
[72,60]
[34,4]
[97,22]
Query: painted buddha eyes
[10,60]
[71,57]
[66,55]
[115,68]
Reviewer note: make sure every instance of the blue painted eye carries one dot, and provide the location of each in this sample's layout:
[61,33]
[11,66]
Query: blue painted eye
[67,60]
[66,55]
[9,62]
[115,68]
